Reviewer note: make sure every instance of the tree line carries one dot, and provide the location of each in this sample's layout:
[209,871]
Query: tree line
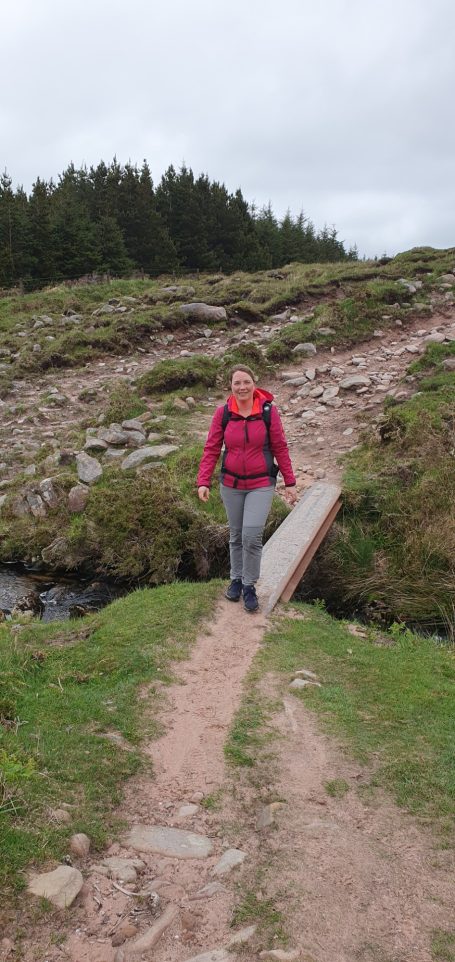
[111,218]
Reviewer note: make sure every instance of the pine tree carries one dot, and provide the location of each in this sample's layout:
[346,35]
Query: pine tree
[41,234]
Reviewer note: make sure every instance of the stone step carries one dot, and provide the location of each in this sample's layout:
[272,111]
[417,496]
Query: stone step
[289,551]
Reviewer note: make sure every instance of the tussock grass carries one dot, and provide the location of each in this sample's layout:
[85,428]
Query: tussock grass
[183,372]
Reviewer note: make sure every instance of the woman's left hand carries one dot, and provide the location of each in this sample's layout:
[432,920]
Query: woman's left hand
[291,495]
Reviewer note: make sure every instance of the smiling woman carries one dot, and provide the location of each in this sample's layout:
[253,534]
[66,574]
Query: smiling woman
[255,450]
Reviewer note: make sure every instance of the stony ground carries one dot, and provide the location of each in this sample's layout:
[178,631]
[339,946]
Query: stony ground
[364,882]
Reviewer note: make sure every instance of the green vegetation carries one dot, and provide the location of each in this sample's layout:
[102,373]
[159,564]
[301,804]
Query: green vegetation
[387,697]
[124,403]
[336,787]
[197,372]
[443,946]
[392,554]
[64,689]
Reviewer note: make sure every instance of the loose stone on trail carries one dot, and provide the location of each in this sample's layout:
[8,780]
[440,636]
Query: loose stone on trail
[215,955]
[173,842]
[229,860]
[60,886]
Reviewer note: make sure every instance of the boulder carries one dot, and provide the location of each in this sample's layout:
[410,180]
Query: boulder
[306,348]
[203,312]
[89,469]
[113,436]
[77,498]
[354,381]
[48,492]
[147,453]
[95,444]
[133,424]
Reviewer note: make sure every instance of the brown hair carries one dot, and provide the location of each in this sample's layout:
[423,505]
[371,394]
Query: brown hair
[241,367]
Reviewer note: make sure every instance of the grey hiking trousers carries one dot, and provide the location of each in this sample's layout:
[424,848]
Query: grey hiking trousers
[247,512]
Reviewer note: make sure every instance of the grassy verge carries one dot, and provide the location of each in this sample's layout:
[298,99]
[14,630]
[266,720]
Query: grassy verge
[392,552]
[63,687]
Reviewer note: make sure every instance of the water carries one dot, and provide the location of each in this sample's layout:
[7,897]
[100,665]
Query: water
[52,598]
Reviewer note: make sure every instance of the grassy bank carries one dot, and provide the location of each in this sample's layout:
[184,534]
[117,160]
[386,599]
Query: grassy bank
[392,555]
[64,688]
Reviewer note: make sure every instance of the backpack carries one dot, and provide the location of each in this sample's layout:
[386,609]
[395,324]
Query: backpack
[266,416]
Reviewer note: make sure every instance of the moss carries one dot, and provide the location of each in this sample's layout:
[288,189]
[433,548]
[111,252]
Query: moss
[182,372]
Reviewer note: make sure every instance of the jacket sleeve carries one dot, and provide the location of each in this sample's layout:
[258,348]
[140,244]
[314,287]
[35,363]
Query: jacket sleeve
[212,449]
[279,448]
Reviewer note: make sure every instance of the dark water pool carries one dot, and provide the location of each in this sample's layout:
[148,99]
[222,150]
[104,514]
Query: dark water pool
[52,598]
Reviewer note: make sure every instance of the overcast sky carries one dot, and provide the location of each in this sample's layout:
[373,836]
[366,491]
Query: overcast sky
[343,108]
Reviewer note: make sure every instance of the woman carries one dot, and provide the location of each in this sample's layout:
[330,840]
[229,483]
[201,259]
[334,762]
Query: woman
[253,436]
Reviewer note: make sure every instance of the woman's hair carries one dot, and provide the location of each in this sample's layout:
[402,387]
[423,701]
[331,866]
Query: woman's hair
[241,367]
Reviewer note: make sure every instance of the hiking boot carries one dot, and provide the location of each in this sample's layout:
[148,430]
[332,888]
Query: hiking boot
[250,598]
[234,592]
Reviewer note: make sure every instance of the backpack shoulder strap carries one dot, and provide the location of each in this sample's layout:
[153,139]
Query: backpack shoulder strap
[226,417]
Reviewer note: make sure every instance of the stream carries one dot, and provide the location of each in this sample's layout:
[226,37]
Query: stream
[52,597]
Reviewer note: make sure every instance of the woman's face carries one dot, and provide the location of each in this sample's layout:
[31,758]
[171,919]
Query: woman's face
[242,386]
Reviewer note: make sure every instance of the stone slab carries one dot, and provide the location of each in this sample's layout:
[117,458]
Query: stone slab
[291,548]
[216,955]
[60,886]
[172,842]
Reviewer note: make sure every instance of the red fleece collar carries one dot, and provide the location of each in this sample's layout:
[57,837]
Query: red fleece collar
[259,396]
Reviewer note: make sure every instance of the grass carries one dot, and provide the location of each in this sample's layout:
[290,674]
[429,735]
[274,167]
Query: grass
[197,372]
[62,688]
[443,946]
[392,704]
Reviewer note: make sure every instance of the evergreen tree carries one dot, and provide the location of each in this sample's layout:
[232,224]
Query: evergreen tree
[41,234]
[13,233]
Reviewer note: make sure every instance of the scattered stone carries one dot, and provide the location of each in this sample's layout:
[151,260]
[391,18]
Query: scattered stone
[243,935]
[60,886]
[153,436]
[337,371]
[133,425]
[36,504]
[203,312]
[325,331]
[180,405]
[149,938]
[319,474]
[306,348]
[300,683]
[114,436]
[48,492]
[449,363]
[77,498]
[229,860]
[447,279]
[30,471]
[88,469]
[355,381]
[317,391]
[125,931]
[213,955]
[266,816]
[173,842]
[59,815]
[295,381]
[347,433]
[435,337]
[122,869]
[305,673]
[185,811]
[330,393]
[190,401]
[80,844]
[95,444]
[146,454]
[3,498]
[135,439]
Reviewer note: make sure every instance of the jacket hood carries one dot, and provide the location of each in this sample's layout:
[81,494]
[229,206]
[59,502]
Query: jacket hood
[259,396]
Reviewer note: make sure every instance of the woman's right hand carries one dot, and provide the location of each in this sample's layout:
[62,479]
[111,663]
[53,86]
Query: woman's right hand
[203,493]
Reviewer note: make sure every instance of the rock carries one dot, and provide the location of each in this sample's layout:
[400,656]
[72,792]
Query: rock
[148,939]
[3,498]
[122,869]
[6,948]
[95,444]
[243,935]
[133,425]
[203,312]
[347,433]
[88,469]
[77,498]
[153,436]
[172,842]
[308,416]
[304,391]
[60,886]
[447,279]
[300,683]
[146,454]
[113,436]
[325,331]
[20,507]
[305,673]
[355,381]
[266,816]
[330,393]
[185,811]
[190,401]
[135,439]
[59,815]
[336,371]
[229,860]
[319,474]
[310,373]
[296,381]
[36,504]
[306,348]
[180,405]
[317,391]
[80,844]
[124,932]
[435,337]
[48,492]
[449,363]
[213,955]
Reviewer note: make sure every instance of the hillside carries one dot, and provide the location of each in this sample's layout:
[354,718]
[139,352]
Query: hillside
[78,362]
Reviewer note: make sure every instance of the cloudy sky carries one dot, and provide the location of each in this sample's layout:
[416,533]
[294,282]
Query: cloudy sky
[343,108]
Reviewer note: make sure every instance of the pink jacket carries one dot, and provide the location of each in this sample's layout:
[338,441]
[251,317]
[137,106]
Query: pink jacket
[248,457]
